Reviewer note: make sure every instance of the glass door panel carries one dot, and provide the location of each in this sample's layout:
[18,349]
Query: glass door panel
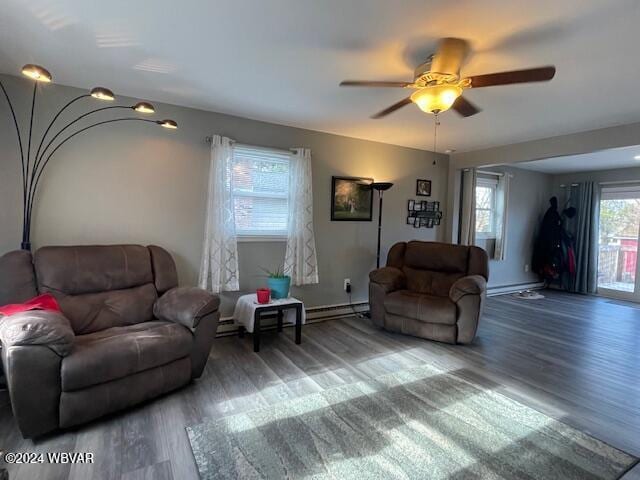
[618,242]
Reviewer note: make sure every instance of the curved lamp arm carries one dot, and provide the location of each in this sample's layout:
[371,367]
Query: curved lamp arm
[44,135]
[38,161]
[66,139]
[76,120]
[33,106]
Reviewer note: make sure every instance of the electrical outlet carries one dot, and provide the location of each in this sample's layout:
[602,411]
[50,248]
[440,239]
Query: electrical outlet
[347,285]
[526,267]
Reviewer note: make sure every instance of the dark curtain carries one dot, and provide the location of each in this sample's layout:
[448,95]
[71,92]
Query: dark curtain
[586,199]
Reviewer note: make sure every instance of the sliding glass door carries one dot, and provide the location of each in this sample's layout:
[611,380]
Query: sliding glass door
[618,242]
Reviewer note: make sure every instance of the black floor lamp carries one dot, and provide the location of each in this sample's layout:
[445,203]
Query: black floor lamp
[380,187]
[33,162]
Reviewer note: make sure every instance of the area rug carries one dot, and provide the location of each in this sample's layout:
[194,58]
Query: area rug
[421,423]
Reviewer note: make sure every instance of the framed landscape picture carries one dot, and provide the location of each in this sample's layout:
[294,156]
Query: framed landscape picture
[351,199]
[423,188]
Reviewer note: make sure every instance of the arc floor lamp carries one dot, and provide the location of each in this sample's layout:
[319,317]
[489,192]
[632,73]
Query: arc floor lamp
[34,165]
[381,187]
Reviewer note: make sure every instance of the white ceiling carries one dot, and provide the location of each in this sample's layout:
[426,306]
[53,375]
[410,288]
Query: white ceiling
[602,160]
[281,60]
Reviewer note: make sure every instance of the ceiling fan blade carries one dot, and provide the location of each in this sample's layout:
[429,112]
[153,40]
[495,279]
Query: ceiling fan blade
[367,83]
[542,74]
[392,108]
[464,107]
[450,56]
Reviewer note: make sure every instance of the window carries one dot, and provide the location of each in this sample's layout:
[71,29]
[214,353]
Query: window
[486,207]
[260,190]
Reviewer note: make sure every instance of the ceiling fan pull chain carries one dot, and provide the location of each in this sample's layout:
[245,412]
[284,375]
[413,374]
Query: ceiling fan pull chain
[436,124]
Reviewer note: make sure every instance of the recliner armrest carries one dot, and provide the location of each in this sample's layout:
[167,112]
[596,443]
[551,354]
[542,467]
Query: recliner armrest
[390,278]
[470,285]
[37,327]
[186,305]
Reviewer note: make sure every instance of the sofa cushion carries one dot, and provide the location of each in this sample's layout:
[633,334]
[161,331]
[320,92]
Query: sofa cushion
[165,274]
[430,282]
[93,312]
[421,307]
[121,351]
[438,257]
[92,268]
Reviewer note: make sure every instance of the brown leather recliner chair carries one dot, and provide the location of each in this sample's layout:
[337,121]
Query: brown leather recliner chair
[430,290]
[127,332]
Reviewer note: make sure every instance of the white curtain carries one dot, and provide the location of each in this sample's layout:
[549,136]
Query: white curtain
[219,264]
[468,213]
[502,210]
[300,261]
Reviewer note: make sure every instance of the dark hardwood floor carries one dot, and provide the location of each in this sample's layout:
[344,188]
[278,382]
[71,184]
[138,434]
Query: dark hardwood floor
[572,357]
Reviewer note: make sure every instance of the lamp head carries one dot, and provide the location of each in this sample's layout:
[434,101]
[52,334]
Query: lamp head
[167,124]
[381,186]
[102,93]
[37,73]
[144,107]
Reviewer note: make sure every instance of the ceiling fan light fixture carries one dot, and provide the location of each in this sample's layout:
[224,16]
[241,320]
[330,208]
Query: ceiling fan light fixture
[437,98]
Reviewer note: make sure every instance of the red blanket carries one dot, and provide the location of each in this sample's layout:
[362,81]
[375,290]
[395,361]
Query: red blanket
[41,302]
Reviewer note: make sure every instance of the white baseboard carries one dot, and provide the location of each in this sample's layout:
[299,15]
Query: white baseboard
[504,289]
[313,315]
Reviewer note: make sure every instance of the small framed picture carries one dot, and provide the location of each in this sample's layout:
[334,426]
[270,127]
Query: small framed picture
[423,188]
[411,220]
[416,222]
[411,204]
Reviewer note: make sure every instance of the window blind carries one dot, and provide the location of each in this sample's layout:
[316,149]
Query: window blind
[260,189]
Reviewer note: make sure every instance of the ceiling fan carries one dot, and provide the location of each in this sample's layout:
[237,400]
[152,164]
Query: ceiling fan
[439,86]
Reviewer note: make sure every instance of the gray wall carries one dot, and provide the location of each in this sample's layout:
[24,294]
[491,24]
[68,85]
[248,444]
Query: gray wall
[529,195]
[138,183]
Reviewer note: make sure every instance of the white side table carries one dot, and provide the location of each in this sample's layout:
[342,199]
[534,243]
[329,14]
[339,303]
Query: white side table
[248,314]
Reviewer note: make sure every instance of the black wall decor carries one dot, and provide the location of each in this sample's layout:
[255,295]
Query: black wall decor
[422,213]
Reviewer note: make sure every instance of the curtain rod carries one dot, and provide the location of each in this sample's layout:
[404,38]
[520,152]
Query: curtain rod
[620,182]
[209,139]
[495,174]
[487,172]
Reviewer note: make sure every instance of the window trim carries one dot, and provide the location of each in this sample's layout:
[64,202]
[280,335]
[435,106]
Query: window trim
[262,236]
[491,183]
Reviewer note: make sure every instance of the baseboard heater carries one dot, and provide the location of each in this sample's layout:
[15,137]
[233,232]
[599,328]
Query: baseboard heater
[514,288]
[314,315]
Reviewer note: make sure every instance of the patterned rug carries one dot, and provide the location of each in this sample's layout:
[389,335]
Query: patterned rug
[421,423]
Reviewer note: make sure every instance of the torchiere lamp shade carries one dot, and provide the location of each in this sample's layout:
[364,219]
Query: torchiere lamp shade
[381,186]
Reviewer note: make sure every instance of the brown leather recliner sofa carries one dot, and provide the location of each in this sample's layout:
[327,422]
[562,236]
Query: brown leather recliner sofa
[430,290]
[127,332]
